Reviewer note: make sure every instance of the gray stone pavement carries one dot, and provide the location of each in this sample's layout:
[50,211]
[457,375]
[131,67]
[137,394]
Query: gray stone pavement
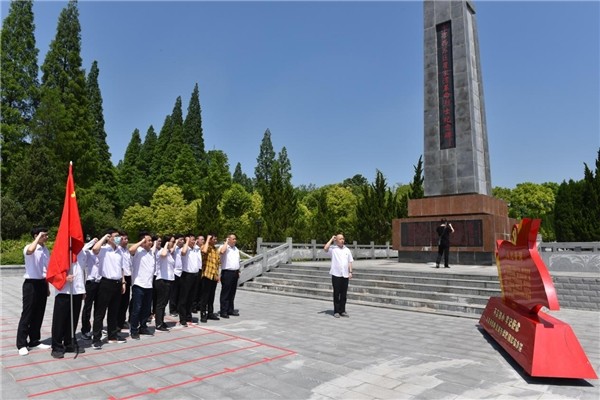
[292,348]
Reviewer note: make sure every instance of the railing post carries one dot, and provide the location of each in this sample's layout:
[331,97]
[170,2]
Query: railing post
[313,245]
[290,250]
[259,241]
[355,253]
[387,249]
[373,250]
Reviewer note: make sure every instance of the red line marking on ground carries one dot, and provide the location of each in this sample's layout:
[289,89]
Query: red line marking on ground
[139,372]
[205,377]
[170,351]
[98,352]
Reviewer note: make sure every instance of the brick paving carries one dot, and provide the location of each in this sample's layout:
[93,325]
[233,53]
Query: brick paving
[291,348]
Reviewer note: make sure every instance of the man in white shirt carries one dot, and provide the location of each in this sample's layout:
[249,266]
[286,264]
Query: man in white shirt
[174,293]
[230,273]
[142,274]
[92,283]
[126,296]
[341,272]
[35,292]
[191,261]
[165,274]
[73,290]
[112,286]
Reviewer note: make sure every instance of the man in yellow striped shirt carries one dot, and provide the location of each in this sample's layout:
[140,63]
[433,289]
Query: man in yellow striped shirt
[211,269]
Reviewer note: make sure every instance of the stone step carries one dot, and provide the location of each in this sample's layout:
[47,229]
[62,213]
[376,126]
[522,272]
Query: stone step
[358,290]
[363,284]
[424,273]
[375,277]
[436,291]
[402,303]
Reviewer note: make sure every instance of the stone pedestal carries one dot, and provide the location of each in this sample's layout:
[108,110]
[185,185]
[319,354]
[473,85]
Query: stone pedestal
[478,221]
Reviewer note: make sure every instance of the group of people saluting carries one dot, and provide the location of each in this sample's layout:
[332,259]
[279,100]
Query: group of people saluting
[114,279]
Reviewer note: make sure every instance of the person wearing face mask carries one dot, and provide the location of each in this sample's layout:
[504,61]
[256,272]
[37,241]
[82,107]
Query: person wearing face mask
[110,289]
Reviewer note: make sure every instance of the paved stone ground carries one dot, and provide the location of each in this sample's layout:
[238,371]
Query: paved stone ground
[291,348]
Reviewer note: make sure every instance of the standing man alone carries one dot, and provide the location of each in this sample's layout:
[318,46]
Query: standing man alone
[341,273]
[230,273]
[443,232]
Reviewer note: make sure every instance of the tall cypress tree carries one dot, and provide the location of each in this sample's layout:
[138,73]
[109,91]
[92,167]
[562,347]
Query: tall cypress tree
[63,80]
[97,115]
[148,153]
[192,127]
[241,178]
[264,163]
[19,86]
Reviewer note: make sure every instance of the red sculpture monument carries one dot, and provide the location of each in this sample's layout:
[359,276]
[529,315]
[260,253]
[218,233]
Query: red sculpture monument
[543,345]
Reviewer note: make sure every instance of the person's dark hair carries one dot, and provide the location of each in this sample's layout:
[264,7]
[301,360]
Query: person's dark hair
[444,220]
[37,229]
[143,234]
[110,231]
[123,233]
[179,236]
[166,238]
[213,234]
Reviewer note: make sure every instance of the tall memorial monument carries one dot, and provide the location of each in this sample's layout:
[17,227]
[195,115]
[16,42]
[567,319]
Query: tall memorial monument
[456,159]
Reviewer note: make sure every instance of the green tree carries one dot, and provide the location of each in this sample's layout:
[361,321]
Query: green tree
[14,221]
[192,127]
[534,201]
[375,211]
[19,86]
[218,180]
[241,178]
[264,163]
[133,183]
[417,189]
[63,81]
[97,115]
[186,173]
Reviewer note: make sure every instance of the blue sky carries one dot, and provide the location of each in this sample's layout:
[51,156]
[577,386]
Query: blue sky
[340,84]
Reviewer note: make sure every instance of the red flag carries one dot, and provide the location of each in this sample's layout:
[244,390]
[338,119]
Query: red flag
[69,239]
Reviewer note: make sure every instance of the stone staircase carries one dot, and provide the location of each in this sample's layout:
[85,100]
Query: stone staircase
[454,294]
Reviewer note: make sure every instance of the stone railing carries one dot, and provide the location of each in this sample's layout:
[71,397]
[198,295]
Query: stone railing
[571,256]
[314,251]
[272,254]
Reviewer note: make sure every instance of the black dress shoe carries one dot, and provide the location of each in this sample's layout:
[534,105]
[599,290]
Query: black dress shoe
[234,313]
[146,332]
[213,316]
[224,315]
[73,349]
[57,354]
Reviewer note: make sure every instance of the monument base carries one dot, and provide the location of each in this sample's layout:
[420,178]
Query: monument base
[543,345]
[478,221]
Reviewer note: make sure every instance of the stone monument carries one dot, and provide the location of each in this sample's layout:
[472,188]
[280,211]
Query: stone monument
[456,159]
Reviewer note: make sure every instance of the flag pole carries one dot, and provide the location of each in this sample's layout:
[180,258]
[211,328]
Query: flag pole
[73,336]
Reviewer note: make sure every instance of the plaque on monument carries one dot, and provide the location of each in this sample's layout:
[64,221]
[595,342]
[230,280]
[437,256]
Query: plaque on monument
[543,345]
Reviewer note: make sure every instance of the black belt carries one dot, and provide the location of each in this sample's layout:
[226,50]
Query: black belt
[119,281]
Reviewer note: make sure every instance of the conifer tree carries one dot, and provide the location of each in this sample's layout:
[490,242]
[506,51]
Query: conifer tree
[134,186]
[375,211]
[63,81]
[241,178]
[264,163]
[192,127]
[19,86]
[162,142]
[97,115]
[147,153]
[417,190]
